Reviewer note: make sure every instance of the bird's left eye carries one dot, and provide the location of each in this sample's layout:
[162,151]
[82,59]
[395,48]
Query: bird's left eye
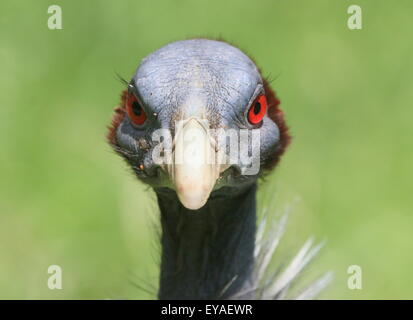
[257,110]
[135,110]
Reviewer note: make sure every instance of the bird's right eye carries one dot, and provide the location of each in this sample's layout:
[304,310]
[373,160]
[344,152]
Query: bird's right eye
[135,110]
[257,110]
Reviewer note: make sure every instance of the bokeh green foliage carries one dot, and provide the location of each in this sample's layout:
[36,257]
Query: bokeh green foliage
[66,199]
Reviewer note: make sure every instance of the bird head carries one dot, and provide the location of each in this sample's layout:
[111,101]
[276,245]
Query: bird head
[197,118]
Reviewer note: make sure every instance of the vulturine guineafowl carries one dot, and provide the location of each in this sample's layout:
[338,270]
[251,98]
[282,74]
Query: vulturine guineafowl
[200,124]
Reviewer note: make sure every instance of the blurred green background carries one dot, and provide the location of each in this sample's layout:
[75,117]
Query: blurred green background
[66,199]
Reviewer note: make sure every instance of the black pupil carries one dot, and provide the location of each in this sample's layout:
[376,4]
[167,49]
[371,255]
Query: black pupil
[136,108]
[257,108]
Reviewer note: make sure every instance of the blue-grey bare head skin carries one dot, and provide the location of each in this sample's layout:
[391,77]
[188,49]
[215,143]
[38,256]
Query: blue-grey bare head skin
[193,78]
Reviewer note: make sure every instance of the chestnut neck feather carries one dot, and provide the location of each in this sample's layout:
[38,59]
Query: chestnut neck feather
[207,253]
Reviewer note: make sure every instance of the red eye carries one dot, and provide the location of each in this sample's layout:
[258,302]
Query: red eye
[257,110]
[135,110]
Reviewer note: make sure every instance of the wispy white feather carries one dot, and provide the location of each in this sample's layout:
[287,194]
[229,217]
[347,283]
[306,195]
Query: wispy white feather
[304,256]
[276,284]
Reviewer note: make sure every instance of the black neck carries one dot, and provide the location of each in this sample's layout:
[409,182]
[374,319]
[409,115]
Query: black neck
[207,253]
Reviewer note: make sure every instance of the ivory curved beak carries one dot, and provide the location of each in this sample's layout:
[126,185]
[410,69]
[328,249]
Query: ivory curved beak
[193,170]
